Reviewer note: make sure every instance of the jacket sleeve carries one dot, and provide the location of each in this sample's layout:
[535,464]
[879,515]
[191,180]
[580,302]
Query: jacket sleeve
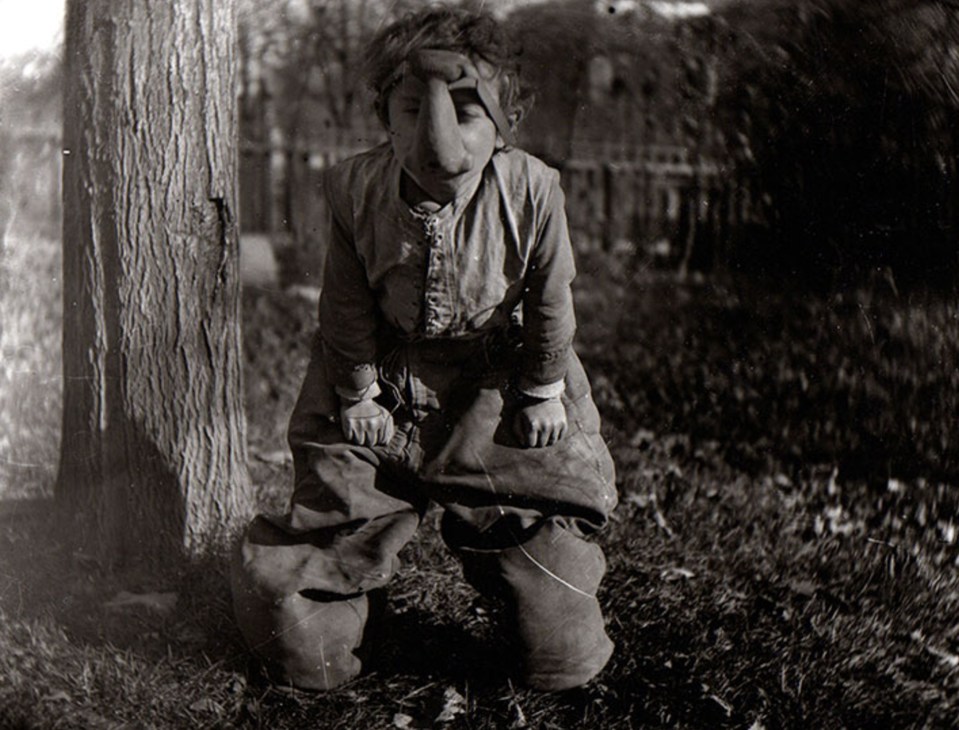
[348,312]
[549,322]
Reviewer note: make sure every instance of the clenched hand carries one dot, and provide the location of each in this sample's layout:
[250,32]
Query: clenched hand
[542,423]
[366,423]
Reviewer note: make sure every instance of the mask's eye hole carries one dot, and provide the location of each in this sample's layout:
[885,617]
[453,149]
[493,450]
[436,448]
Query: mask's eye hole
[469,111]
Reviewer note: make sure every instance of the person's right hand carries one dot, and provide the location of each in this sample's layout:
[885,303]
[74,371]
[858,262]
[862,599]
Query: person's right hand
[366,423]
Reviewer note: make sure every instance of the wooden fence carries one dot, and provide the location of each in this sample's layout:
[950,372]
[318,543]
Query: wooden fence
[660,202]
[281,188]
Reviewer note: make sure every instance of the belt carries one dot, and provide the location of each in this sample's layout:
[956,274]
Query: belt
[485,351]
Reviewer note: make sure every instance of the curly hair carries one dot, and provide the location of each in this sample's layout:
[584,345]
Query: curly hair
[477,35]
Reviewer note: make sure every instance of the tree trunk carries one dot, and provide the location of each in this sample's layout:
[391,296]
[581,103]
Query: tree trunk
[153,454]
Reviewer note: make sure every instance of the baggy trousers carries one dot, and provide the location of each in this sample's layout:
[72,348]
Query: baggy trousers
[516,517]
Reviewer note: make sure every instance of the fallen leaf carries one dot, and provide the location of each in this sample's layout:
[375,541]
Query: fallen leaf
[803,588]
[671,574]
[519,721]
[832,488]
[640,500]
[206,705]
[819,525]
[661,521]
[726,707]
[647,500]
[402,720]
[948,531]
[453,704]
[947,658]
[159,602]
[191,635]
[90,719]
[238,684]
[642,437]
[59,696]
[783,481]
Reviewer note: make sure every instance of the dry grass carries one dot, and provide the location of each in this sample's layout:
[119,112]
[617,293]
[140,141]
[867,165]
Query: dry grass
[785,555]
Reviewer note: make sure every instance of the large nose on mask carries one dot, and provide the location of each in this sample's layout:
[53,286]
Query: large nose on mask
[439,144]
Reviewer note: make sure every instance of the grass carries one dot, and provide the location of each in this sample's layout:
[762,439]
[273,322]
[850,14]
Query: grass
[785,554]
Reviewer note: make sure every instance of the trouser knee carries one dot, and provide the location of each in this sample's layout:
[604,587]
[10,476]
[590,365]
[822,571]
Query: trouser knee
[549,583]
[306,639]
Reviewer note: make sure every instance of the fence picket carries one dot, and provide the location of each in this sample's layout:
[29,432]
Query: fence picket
[650,199]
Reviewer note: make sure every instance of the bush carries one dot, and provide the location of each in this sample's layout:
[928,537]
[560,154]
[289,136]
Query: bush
[841,112]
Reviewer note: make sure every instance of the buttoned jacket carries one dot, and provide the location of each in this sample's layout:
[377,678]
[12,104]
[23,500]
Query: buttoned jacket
[498,253]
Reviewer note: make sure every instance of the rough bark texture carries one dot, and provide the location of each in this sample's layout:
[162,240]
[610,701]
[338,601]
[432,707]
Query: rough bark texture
[153,455]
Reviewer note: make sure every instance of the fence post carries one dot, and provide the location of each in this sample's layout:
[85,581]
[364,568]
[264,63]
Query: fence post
[610,201]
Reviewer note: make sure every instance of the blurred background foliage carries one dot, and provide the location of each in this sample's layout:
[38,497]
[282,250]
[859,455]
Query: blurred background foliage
[837,115]
[843,111]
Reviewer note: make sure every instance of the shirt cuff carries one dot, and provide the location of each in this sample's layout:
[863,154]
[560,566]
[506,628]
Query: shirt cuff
[544,391]
[357,394]
[545,368]
[346,373]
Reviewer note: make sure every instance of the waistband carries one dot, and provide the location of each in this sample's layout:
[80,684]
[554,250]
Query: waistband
[492,349]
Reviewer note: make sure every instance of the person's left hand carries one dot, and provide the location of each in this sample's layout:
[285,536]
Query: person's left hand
[541,423]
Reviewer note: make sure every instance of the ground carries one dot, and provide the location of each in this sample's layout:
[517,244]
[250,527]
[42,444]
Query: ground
[785,554]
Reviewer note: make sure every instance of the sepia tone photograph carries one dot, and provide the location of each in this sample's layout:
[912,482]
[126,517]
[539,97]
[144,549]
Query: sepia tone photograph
[479,364]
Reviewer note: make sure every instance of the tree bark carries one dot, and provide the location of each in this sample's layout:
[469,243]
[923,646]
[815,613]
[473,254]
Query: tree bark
[153,454]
